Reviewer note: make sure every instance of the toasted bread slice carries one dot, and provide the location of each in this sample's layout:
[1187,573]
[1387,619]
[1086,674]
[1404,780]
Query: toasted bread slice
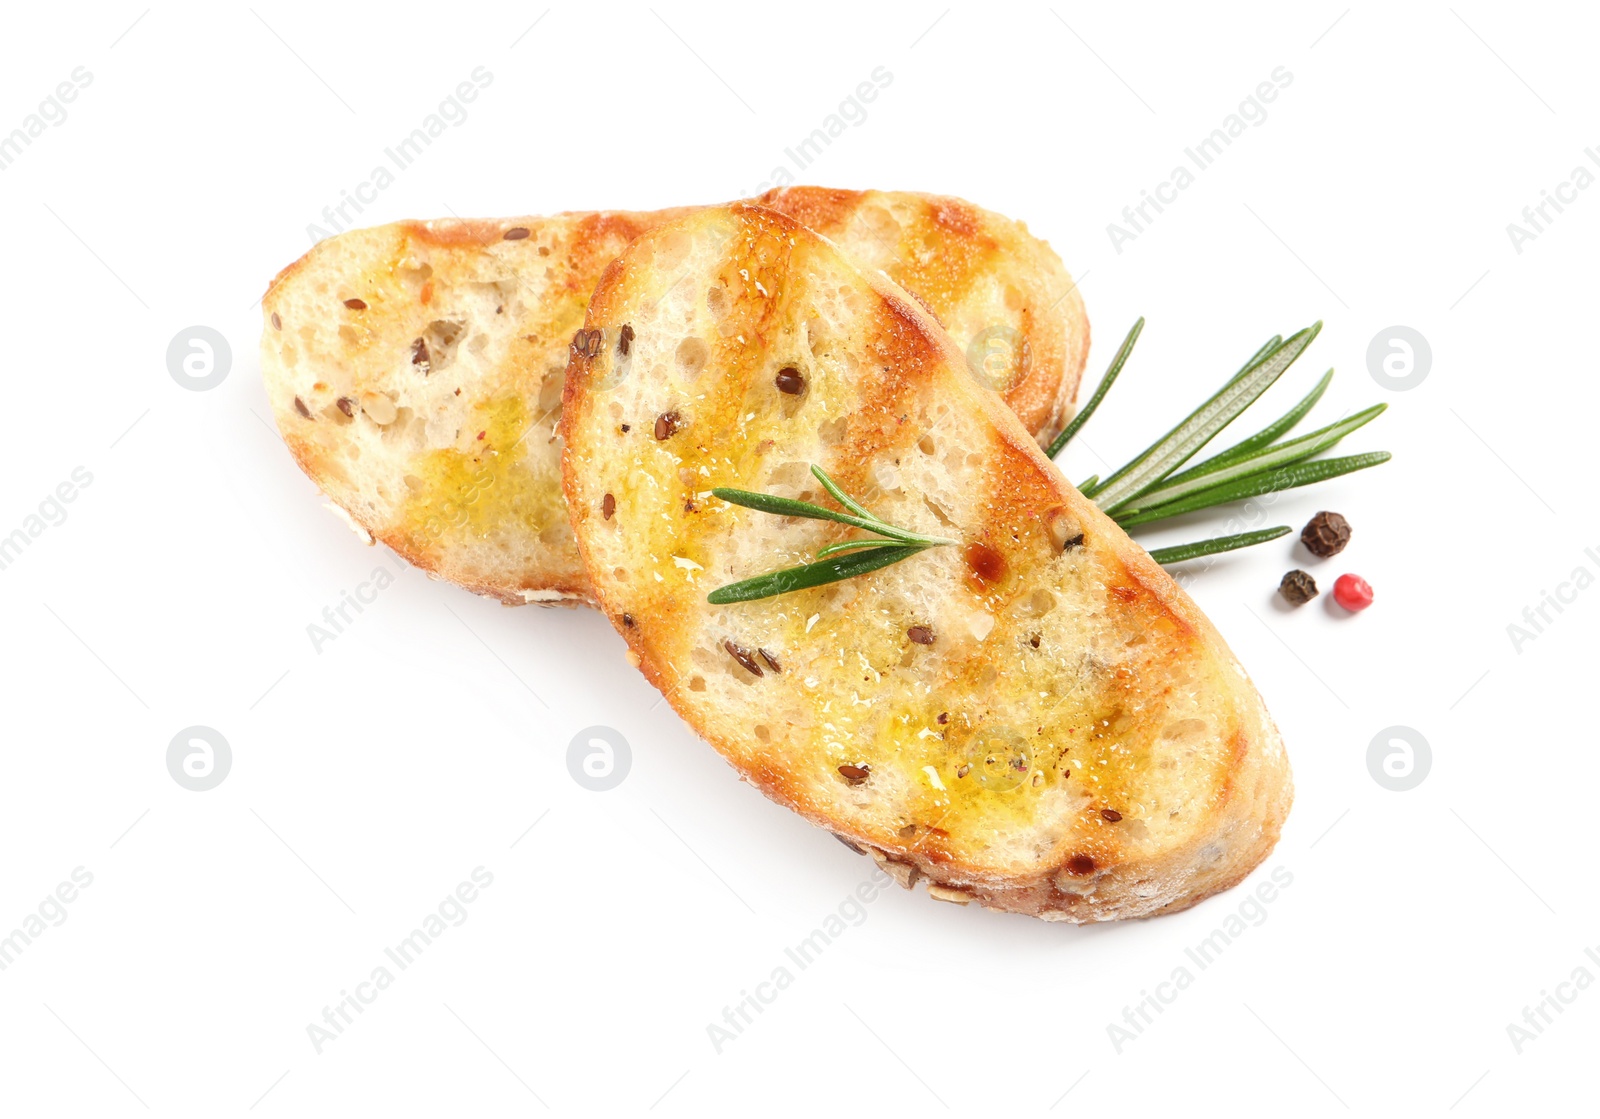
[415,369]
[1064,734]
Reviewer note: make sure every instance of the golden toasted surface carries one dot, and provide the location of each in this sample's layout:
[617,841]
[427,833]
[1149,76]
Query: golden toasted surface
[415,369]
[1037,718]
[998,291]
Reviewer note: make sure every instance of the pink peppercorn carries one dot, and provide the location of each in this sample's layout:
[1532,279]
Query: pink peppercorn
[1352,592]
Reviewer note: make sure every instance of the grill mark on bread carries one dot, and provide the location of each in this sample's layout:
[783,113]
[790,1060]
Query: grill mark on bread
[899,347]
[944,248]
[939,271]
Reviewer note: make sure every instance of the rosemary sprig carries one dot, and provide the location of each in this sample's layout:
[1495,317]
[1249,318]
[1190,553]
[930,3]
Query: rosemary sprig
[891,545]
[1151,488]
[1176,447]
[1211,547]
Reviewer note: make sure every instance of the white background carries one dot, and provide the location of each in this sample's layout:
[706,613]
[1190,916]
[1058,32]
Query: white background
[372,777]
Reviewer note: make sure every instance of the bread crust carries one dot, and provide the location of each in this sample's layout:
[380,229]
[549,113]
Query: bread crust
[1156,777]
[486,513]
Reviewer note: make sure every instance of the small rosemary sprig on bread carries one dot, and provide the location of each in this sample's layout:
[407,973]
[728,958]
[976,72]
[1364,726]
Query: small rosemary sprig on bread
[866,553]
[1152,487]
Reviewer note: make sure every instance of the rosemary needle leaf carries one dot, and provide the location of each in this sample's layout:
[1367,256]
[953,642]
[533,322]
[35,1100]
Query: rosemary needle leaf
[865,542]
[1263,438]
[781,506]
[1271,344]
[1180,444]
[1106,382]
[810,575]
[1267,481]
[1273,457]
[1211,547]
[841,497]
[789,507]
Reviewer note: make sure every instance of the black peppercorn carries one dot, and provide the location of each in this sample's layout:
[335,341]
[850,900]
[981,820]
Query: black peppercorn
[1326,534]
[1298,587]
